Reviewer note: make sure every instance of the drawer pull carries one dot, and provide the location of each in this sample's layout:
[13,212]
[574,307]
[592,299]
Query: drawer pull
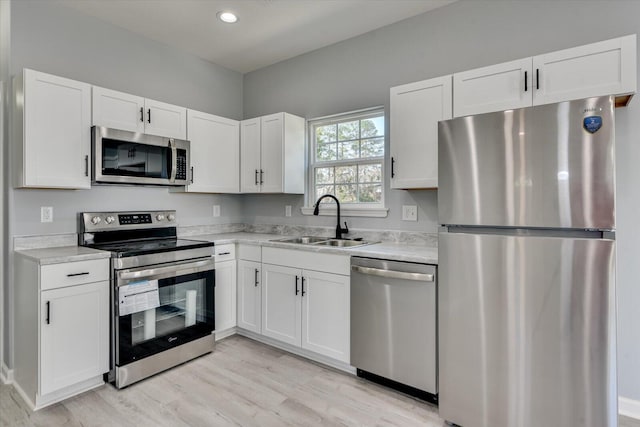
[48,319]
[224,253]
[78,274]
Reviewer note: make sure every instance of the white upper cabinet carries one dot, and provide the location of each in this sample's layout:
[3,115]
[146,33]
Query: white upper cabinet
[119,110]
[215,153]
[416,109]
[53,121]
[604,68]
[272,154]
[493,88]
[597,69]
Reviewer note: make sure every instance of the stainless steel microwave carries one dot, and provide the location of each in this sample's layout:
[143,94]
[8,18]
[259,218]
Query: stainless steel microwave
[123,157]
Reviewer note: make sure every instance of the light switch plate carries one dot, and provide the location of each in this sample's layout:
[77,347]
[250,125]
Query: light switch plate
[409,213]
[216,210]
[46,214]
[287,210]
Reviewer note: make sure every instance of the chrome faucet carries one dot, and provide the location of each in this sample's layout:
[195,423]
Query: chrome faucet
[339,229]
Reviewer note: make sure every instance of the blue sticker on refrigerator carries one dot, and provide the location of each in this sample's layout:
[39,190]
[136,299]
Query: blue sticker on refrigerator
[592,123]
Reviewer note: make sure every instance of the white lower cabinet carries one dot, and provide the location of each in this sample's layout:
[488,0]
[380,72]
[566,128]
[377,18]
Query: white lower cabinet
[249,288]
[225,296]
[62,328]
[307,308]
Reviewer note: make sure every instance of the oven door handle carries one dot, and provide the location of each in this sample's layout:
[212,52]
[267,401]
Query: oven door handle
[173,270]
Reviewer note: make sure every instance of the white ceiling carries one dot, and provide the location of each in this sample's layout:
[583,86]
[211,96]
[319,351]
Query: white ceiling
[268,31]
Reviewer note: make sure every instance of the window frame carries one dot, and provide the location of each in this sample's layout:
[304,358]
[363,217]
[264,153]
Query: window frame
[377,210]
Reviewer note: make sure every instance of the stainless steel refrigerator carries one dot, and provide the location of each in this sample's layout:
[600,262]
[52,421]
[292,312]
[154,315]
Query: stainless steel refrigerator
[527,331]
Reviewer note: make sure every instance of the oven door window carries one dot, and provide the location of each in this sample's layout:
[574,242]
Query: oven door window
[184,311]
[124,158]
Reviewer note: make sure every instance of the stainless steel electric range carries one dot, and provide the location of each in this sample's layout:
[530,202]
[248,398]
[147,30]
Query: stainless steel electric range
[162,293]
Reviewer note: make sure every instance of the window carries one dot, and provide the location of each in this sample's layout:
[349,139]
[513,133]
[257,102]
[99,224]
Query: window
[347,157]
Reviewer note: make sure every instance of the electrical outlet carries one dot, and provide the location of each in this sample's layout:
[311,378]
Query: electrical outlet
[287,210]
[46,214]
[409,213]
[216,210]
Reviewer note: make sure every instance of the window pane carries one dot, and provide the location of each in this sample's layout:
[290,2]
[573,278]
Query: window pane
[321,190]
[370,173]
[345,174]
[370,193]
[326,152]
[348,130]
[348,150]
[326,133]
[372,148]
[324,175]
[346,193]
[372,127]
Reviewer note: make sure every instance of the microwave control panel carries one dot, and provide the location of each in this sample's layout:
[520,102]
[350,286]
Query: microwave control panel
[181,162]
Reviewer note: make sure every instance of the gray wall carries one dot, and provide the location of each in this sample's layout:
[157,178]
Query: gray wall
[53,39]
[4,164]
[357,73]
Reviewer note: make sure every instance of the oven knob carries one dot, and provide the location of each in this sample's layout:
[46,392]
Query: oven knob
[109,219]
[171,217]
[159,217]
[95,220]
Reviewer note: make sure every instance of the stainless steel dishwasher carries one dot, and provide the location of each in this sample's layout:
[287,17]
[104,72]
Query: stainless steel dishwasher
[393,325]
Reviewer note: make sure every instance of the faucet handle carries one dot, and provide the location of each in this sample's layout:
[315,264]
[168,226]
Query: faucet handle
[346,228]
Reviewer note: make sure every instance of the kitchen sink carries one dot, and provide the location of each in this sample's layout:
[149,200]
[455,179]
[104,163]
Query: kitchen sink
[339,243]
[304,240]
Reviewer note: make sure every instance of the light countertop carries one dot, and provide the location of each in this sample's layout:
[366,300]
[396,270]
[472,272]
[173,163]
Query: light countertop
[60,254]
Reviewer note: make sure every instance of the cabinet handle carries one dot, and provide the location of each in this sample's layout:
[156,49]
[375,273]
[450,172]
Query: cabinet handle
[78,274]
[537,78]
[256,278]
[142,114]
[297,278]
[86,165]
[224,253]
[48,319]
[303,292]
[256,176]
[192,174]
[261,177]
[149,115]
[393,161]
[525,81]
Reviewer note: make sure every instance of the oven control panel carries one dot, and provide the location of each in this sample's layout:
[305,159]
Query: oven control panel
[134,219]
[104,221]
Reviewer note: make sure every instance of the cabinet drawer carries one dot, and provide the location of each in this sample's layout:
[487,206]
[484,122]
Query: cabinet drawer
[225,252]
[73,273]
[250,252]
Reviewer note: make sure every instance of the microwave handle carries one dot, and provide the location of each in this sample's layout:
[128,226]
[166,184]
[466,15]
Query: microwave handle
[166,271]
[174,159]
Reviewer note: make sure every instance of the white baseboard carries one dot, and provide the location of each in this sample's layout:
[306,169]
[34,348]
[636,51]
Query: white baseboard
[6,374]
[629,407]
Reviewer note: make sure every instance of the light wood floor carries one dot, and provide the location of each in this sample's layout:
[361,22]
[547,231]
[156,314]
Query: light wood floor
[242,383]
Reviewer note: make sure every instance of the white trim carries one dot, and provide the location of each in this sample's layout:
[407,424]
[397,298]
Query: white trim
[346,115]
[224,334]
[629,407]
[347,212]
[6,374]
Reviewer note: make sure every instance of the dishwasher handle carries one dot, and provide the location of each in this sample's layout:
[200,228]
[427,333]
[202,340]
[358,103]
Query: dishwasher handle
[392,274]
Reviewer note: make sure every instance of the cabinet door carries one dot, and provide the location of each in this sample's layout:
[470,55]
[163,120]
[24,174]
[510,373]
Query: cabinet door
[281,308]
[271,154]
[226,295]
[604,68]
[117,110]
[215,153]
[250,156]
[249,295]
[57,132]
[416,109]
[74,333]
[325,314]
[494,88]
[165,119]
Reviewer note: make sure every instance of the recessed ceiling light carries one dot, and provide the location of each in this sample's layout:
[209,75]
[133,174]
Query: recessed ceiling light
[228,17]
